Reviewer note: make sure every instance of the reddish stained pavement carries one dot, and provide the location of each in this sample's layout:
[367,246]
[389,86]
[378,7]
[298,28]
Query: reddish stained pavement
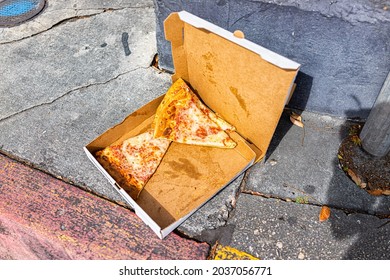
[42,217]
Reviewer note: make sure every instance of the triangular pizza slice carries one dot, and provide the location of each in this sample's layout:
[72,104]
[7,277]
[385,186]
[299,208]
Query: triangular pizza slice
[183,118]
[134,161]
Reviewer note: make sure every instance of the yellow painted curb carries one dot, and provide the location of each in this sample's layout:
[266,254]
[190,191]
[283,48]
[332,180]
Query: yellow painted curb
[220,252]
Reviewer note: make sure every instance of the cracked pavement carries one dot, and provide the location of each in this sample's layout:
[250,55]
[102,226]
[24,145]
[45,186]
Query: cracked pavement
[66,82]
[59,12]
[61,61]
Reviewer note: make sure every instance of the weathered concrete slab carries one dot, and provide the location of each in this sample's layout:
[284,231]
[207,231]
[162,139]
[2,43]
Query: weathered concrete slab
[342,45]
[302,164]
[274,229]
[62,88]
[45,218]
[45,67]
[57,12]
[52,136]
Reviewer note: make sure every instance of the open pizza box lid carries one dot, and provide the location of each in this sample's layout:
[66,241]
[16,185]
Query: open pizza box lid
[244,83]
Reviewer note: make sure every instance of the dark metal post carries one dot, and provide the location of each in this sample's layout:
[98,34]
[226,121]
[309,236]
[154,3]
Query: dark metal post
[375,135]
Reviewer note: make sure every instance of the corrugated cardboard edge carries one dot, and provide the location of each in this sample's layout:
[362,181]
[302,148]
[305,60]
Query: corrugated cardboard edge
[266,54]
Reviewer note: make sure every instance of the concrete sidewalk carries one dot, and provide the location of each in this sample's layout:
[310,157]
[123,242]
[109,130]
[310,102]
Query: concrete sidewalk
[80,67]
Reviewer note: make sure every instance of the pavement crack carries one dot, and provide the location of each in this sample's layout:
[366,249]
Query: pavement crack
[70,19]
[384,224]
[68,93]
[272,196]
[74,18]
[317,203]
[240,190]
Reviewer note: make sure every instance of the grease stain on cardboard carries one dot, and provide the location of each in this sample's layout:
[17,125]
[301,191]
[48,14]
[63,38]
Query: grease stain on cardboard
[208,57]
[185,166]
[239,98]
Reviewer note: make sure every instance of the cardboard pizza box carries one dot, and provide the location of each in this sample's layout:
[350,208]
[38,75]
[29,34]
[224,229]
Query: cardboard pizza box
[244,83]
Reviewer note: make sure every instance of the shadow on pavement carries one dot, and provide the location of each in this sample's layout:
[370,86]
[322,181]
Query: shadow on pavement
[298,101]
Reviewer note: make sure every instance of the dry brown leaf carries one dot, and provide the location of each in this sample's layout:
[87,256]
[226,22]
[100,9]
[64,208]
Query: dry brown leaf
[296,121]
[324,213]
[296,116]
[386,192]
[354,177]
[375,192]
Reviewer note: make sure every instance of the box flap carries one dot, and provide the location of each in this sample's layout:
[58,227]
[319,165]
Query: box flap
[246,84]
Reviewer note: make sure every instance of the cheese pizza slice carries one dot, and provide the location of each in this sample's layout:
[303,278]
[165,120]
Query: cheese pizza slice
[183,118]
[213,116]
[134,161]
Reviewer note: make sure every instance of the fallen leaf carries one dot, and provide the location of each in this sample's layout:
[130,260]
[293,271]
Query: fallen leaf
[324,213]
[386,192]
[296,116]
[296,121]
[363,185]
[155,61]
[339,156]
[375,192]
[354,177]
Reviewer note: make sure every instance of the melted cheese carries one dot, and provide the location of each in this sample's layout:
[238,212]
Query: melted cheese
[181,117]
[144,153]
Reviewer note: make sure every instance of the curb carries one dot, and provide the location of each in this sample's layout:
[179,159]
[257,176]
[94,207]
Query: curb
[42,217]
